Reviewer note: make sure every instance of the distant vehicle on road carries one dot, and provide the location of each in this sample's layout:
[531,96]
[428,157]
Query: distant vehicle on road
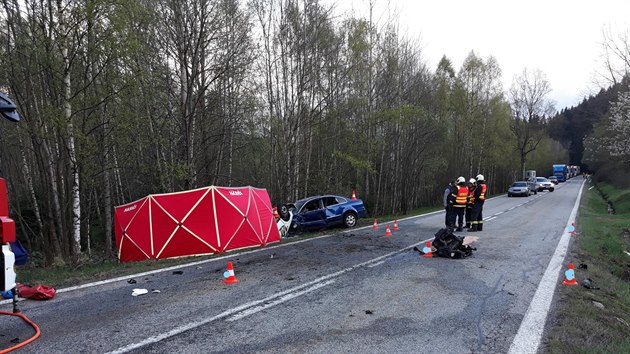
[533,186]
[544,184]
[519,188]
[574,171]
[553,179]
[561,172]
[322,211]
[529,174]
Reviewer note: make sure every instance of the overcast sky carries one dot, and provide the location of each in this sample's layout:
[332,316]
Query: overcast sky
[563,38]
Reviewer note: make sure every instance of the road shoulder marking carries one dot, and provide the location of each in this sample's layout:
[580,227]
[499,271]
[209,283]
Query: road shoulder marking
[529,335]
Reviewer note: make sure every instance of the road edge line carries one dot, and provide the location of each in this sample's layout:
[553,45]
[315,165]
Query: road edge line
[529,335]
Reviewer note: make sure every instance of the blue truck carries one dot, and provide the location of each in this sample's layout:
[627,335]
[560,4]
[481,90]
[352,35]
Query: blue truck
[561,172]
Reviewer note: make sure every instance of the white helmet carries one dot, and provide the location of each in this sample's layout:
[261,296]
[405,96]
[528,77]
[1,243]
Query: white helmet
[472,180]
[480,178]
[461,180]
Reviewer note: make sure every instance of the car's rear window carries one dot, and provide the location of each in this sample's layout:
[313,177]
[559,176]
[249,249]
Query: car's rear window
[330,201]
[519,184]
[541,179]
[341,200]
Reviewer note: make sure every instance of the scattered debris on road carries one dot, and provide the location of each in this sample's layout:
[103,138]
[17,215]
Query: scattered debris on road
[137,292]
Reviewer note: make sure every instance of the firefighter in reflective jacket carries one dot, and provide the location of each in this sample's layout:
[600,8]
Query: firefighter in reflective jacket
[480,197]
[472,183]
[459,206]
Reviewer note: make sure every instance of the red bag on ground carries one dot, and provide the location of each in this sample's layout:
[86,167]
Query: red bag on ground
[37,292]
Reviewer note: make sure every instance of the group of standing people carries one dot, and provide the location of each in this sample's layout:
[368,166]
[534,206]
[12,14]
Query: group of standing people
[465,199]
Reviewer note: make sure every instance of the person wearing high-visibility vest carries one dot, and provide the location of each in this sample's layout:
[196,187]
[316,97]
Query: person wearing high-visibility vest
[472,183]
[480,198]
[459,206]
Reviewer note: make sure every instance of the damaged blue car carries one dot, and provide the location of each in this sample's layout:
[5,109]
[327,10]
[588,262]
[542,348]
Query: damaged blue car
[322,211]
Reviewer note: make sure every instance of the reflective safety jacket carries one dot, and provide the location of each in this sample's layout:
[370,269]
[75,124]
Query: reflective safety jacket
[471,195]
[461,196]
[480,192]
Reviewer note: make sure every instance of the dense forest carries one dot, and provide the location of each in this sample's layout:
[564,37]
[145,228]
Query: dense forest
[124,98]
[596,133]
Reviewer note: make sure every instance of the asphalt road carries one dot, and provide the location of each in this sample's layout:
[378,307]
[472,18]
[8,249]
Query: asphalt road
[352,292]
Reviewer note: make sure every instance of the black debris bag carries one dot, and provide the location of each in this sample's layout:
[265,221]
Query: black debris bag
[450,245]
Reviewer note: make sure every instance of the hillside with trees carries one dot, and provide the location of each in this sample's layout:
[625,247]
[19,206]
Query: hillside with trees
[120,99]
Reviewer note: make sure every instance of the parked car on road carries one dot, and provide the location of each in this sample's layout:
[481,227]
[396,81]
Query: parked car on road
[544,184]
[533,187]
[520,188]
[553,179]
[322,211]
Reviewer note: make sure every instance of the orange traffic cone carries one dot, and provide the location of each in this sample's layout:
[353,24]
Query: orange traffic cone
[229,276]
[275,212]
[396,225]
[427,250]
[569,276]
[388,232]
[354,196]
[375,226]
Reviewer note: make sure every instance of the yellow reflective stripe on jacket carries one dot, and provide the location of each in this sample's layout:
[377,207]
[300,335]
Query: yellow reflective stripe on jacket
[482,196]
[462,195]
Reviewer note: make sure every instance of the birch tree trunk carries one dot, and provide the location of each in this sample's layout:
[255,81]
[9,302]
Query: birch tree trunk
[67,109]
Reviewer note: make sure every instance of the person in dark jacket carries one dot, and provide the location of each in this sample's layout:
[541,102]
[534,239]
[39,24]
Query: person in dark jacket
[448,205]
[480,198]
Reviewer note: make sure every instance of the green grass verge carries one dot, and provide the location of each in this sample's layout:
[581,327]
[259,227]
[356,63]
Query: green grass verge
[98,267]
[579,324]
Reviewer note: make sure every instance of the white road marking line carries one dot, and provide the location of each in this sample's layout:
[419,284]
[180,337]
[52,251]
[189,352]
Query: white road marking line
[287,297]
[234,311]
[527,339]
[138,275]
[376,264]
[490,218]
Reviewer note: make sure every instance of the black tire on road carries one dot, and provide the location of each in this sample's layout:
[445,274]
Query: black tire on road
[349,219]
[551,189]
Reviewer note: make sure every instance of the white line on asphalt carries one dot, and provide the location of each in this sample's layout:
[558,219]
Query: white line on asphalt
[491,218]
[529,334]
[322,280]
[232,255]
[228,256]
[287,297]
[376,264]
